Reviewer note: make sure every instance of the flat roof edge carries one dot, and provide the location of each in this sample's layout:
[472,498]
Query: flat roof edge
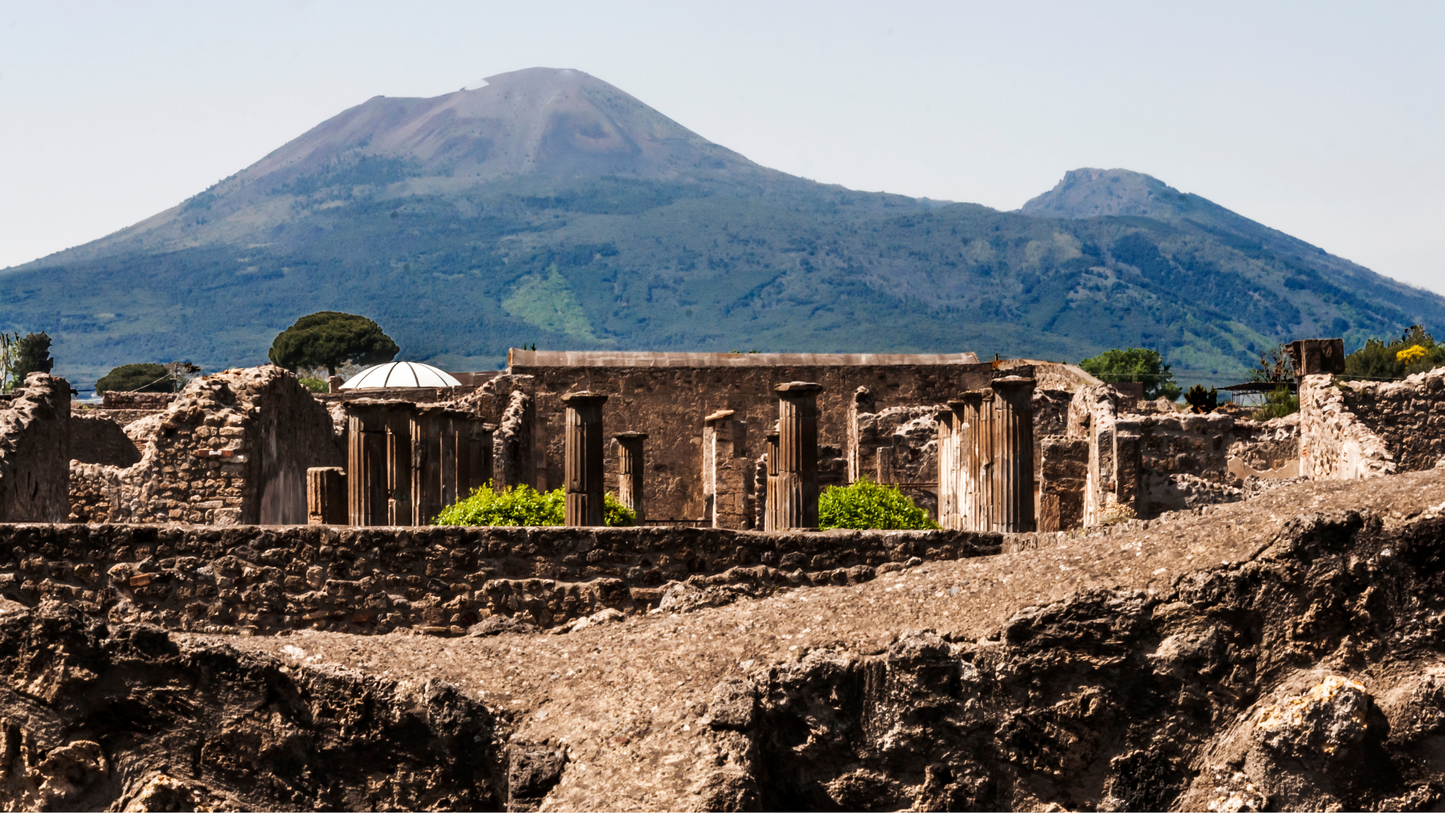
[610,358]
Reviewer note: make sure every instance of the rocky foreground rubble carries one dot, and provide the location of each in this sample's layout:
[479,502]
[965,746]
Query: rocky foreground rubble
[1285,652]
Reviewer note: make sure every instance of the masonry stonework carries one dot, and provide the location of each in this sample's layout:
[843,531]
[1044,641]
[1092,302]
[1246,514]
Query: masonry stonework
[35,451]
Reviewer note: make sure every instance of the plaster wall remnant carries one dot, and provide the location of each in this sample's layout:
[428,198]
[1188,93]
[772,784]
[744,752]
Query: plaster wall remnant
[35,451]
[796,489]
[230,448]
[655,392]
[631,466]
[584,479]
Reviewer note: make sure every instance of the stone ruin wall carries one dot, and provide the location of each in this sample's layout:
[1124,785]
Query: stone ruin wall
[232,448]
[1154,463]
[34,450]
[1352,430]
[439,580]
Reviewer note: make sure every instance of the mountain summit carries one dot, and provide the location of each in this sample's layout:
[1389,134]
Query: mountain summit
[548,206]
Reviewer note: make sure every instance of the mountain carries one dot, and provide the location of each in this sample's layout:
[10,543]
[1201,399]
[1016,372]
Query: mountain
[547,206]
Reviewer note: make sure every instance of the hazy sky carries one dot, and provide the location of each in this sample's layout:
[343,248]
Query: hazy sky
[1326,121]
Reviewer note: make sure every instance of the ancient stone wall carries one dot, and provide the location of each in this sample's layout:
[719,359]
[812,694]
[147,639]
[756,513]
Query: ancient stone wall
[1356,429]
[507,402]
[35,451]
[365,580]
[231,448]
[669,403]
[1153,463]
[98,438]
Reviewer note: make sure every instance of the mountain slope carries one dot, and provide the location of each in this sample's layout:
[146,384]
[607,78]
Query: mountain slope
[550,207]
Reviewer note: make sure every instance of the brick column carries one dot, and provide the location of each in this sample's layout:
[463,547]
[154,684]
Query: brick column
[630,469]
[1013,431]
[583,458]
[796,491]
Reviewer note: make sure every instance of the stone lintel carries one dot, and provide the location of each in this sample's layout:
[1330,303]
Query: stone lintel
[584,397]
[719,415]
[631,436]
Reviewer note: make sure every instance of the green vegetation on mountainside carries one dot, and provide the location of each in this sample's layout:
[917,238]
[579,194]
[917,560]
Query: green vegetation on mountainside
[689,265]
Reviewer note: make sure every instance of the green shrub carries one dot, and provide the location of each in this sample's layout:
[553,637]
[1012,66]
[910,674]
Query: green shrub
[1277,404]
[523,505]
[315,384]
[1202,401]
[1415,352]
[867,505]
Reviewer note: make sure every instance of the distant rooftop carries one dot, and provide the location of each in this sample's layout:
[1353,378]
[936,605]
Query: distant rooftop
[615,358]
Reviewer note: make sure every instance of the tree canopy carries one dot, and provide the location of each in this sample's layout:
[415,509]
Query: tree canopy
[144,377]
[330,339]
[1134,364]
[22,355]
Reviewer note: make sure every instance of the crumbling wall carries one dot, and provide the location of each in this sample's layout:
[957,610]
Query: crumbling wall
[35,452]
[1157,462]
[1357,429]
[98,438]
[364,580]
[507,402]
[1334,443]
[231,448]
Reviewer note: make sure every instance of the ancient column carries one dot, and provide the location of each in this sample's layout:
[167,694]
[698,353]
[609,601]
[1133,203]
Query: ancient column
[796,491]
[1013,431]
[583,458]
[770,493]
[630,469]
[947,426]
[398,467]
[426,466]
[366,468]
[973,465]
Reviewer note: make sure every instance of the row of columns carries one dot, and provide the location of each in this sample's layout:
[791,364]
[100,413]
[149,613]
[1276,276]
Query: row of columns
[986,459]
[405,463]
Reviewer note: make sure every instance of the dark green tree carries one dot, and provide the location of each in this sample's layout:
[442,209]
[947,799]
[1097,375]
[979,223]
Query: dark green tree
[147,377]
[32,355]
[1135,364]
[330,339]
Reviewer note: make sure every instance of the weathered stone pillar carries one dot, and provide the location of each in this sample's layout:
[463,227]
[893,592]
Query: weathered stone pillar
[770,494]
[727,473]
[398,468]
[796,491]
[426,467]
[975,461]
[326,496]
[630,471]
[1013,425]
[1063,477]
[947,424]
[366,468]
[583,458]
[1317,357]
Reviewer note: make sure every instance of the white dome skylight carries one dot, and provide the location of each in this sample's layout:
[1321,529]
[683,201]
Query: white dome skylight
[400,374]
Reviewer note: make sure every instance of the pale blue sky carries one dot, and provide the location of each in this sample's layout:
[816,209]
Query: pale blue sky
[1323,120]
